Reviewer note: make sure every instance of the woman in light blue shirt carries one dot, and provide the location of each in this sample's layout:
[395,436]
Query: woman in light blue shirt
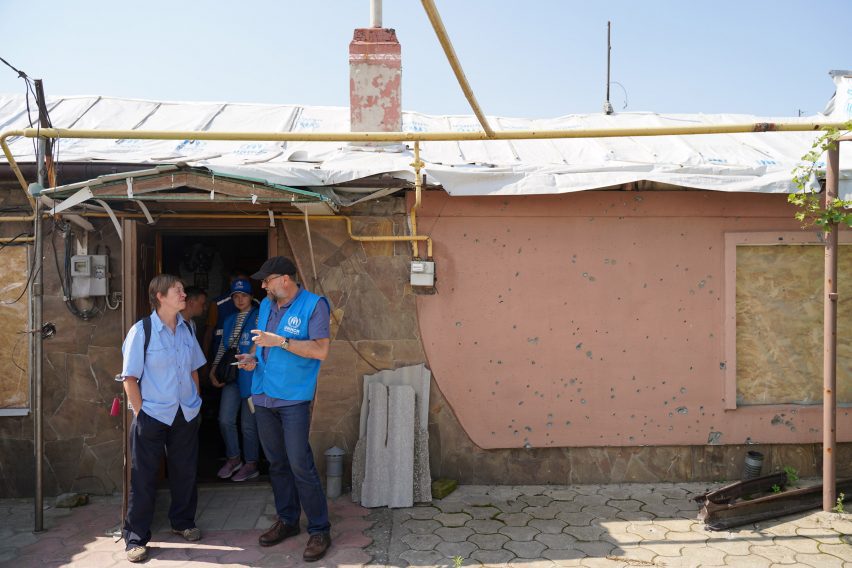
[160,373]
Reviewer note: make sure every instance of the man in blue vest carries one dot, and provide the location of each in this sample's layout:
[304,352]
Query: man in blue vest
[291,342]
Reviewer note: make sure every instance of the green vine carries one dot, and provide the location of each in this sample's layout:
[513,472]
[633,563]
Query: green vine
[806,199]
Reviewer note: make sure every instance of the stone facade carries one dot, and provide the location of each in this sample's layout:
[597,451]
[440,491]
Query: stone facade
[82,442]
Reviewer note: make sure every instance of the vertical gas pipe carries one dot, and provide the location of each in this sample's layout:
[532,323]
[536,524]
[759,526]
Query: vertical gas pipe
[829,339]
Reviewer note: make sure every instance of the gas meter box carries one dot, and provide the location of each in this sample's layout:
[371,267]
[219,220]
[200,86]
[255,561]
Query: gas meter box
[422,273]
[89,275]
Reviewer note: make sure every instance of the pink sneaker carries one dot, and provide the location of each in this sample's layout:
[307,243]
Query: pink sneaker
[231,466]
[248,471]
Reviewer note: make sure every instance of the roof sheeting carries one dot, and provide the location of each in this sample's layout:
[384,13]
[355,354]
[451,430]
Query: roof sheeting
[749,162]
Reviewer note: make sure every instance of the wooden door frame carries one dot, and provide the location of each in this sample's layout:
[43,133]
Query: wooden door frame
[130,260]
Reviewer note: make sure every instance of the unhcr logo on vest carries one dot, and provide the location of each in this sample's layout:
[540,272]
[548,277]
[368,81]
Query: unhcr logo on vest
[293,324]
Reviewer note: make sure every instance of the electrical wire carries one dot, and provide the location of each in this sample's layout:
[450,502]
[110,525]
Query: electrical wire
[65,275]
[29,279]
[24,291]
[20,73]
[16,237]
[30,91]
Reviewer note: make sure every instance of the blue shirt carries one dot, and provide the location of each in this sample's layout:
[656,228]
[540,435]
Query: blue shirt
[165,377]
[318,328]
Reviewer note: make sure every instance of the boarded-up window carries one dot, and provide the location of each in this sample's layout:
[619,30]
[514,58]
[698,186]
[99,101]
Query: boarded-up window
[779,318]
[14,360]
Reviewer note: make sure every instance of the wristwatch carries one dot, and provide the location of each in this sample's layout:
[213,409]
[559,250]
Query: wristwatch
[285,343]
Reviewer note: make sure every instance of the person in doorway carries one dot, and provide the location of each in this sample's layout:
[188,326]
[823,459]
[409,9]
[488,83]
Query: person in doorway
[291,341]
[196,298]
[220,308]
[160,373]
[235,395]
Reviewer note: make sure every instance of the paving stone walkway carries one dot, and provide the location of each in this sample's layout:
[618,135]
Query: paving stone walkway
[608,526]
[603,525]
[231,519]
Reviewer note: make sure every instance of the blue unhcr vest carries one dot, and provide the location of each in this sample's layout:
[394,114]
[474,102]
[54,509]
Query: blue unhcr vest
[281,374]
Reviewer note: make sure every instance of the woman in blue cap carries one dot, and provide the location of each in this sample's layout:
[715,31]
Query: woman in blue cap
[236,395]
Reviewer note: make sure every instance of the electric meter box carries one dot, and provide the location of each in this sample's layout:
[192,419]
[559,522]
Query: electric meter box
[422,273]
[89,275]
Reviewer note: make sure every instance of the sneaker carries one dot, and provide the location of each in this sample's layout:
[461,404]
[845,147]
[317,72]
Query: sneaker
[191,535]
[248,471]
[231,466]
[137,554]
[317,546]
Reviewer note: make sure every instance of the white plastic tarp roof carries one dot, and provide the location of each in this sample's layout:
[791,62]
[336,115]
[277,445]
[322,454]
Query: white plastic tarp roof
[752,162]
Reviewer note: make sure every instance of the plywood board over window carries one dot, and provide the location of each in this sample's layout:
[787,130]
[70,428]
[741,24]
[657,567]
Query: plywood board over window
[14,360]
[779,322]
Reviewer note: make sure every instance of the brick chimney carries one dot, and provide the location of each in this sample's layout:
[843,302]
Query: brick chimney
[375,73]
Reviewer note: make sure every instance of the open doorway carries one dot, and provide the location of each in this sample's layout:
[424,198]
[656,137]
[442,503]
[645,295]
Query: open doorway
[208,259]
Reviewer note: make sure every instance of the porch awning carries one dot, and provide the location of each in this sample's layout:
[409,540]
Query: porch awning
[177,186]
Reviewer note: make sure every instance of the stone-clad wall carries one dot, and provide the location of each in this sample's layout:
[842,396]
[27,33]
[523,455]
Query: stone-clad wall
[83,450]
[367,284]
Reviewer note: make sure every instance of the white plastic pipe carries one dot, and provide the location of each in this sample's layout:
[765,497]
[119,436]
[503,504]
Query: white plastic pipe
[375,13]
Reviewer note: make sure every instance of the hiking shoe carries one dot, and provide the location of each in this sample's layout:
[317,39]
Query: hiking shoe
[248,471]
[317,546]
[278,532]
[231,466]
[191,535]
[137,554]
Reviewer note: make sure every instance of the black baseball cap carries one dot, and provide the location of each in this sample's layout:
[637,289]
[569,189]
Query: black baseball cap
[275,265]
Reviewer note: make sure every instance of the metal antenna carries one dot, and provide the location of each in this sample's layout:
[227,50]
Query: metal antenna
[608,105]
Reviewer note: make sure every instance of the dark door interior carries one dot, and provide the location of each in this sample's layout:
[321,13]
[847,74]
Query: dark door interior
[206,259]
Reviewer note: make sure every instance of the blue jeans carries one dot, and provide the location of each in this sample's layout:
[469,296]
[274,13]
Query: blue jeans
[230,405]
[294,477]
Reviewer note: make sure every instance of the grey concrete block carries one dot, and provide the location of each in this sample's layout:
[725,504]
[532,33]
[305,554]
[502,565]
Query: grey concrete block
[389,471]
[400,446]
[367,484]
[359,463]
[375,471]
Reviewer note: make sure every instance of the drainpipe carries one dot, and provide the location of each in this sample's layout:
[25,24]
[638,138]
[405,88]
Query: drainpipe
[36,295]
[829,361]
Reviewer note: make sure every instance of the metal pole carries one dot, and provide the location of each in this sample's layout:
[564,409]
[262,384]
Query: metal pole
[375,13]
[608,56]
[37,292]
[829,339]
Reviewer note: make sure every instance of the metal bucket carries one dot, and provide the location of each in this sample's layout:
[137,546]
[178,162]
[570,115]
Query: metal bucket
[753,464]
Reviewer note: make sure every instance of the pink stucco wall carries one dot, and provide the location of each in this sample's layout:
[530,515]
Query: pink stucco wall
[595,319]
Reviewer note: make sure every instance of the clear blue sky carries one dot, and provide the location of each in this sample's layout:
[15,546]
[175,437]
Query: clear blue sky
[534,58]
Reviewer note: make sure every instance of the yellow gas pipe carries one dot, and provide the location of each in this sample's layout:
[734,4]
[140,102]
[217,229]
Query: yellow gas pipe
[417,164]
[14,165]
[348,220]
[397,137]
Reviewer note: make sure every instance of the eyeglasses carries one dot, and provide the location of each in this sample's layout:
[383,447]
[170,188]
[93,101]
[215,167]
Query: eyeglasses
[269,279]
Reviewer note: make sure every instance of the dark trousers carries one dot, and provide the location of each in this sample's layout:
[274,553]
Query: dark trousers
[149,440]
[295,481]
